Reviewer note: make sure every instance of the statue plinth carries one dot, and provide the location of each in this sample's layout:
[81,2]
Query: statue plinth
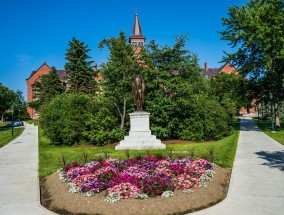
[140,137]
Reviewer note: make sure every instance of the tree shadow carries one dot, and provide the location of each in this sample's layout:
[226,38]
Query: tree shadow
[275,159]
[248,125]
[5,128]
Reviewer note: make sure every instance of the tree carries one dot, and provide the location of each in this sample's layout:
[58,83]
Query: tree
[47,88]
[232,87]
[177,95]
[80,75]
[20,106]
[7,97]
[256,31]
[117,73]
[71,120]
[79,118]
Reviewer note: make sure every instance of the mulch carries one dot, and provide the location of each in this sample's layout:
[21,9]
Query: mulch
[55,197]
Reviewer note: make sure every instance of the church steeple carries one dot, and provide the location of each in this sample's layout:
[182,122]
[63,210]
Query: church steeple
[137,38]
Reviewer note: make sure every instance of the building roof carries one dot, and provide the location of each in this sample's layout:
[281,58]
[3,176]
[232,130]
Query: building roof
[137,30]
[61,73]
[227,68]
[210,72]
[35,71]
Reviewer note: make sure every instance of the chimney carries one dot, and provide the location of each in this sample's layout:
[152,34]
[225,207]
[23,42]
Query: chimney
[206,66]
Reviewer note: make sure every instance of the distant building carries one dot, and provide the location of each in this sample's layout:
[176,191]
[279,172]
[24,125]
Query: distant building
[229,69]
[34,77]
[136,39]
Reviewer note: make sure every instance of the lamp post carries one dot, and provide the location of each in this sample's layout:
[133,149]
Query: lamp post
[272,113]
[12,121]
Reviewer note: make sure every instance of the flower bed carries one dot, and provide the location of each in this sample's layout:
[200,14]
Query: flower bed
[138,179]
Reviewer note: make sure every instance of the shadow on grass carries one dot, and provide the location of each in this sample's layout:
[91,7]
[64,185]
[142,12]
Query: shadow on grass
[274,159]
[5,128]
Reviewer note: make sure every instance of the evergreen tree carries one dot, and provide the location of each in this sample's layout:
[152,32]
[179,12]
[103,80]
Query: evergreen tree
[117,73]
[80,75]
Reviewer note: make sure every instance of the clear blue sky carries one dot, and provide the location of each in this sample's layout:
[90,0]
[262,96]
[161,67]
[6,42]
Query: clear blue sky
[33,31]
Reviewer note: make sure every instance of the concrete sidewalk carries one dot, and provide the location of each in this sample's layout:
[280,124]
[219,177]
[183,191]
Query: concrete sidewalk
[256,188]
[19,185]
[257,181]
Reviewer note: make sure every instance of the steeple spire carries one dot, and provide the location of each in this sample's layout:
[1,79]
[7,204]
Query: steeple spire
[137,38]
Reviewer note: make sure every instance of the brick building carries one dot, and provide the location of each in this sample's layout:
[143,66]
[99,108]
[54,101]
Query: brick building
[136,39]
[229,69]
[34,77]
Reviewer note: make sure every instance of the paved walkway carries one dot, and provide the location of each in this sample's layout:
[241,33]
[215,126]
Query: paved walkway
[256,188]
[19,186]
[257,181]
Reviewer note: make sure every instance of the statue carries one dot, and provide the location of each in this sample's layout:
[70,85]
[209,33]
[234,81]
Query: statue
[140,137]
[138,88]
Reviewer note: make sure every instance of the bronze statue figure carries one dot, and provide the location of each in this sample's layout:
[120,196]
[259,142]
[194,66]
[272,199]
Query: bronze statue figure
[138,88]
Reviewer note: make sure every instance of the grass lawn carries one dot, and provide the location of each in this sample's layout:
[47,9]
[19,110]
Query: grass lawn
[32,121]
[6,134]
[50,156]
[265,126]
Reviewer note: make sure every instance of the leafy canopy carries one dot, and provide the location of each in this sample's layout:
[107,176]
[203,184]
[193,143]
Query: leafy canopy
[256,31]
[118,71]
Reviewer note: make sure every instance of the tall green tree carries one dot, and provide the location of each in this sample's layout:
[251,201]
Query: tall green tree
[20,106]
[177,95]
[80,74]
[117,73]
[7,97]
[256,31]
[232,87]
[47,88]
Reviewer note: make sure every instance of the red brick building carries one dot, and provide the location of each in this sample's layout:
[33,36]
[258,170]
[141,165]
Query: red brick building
[228,69]
[136,39]
[34,77]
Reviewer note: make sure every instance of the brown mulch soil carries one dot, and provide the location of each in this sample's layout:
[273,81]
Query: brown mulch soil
[55,197]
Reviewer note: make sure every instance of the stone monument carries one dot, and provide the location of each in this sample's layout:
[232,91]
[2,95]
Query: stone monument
[140,137]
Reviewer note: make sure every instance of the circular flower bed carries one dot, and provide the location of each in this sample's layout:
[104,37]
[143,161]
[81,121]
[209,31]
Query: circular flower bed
[132,178]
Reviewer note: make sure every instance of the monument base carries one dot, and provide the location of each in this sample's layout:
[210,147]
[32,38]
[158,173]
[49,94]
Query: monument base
[140,137]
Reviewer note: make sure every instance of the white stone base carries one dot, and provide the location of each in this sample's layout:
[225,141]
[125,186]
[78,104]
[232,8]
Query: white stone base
[140,137]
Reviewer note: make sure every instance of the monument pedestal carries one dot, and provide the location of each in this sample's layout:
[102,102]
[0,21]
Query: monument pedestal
[140,137]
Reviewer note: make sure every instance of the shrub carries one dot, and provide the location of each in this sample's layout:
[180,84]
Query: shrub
[67,117]
[77,118]
[206,120]
[104,128]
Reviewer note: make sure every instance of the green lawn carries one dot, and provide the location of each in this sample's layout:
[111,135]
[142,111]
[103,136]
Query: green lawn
[265,126]
[6,134]
[32,121]
[50,156]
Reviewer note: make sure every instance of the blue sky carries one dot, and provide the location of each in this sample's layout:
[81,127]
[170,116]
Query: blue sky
[33,31]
